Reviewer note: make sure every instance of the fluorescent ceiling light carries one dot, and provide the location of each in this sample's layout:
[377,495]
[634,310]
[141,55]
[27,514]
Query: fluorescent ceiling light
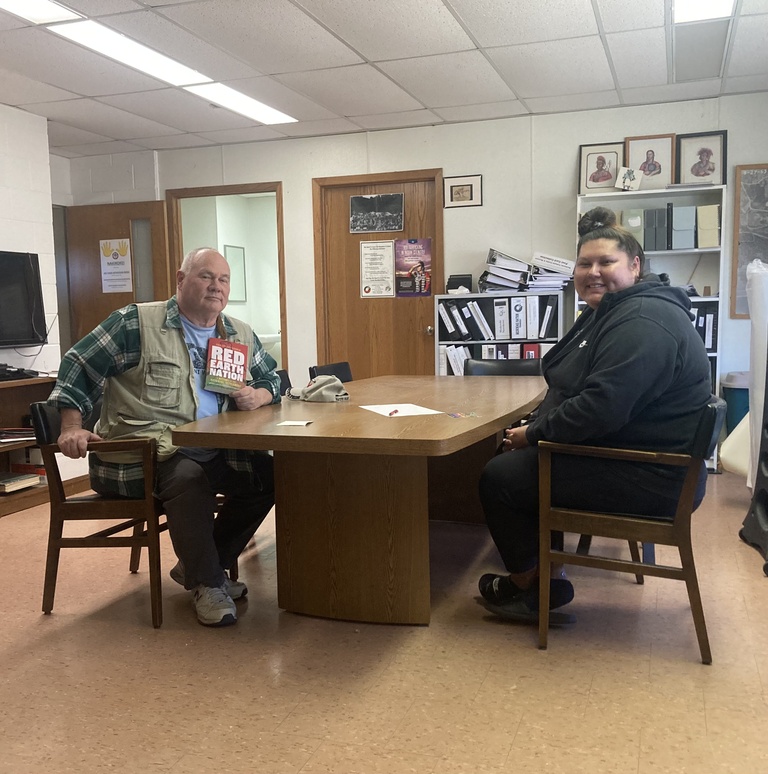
[116,46]
[39,11]
[700,10]
[240,103]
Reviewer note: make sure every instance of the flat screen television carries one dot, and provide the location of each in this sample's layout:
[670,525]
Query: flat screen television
[22,317]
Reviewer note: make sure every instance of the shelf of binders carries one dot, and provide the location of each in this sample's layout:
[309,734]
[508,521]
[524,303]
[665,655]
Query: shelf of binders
[495,326]
[682,232]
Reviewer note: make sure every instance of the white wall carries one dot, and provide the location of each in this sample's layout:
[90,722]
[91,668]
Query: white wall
[529,167]
[26,221]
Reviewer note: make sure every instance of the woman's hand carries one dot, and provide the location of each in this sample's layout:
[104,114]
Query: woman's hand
[514,438]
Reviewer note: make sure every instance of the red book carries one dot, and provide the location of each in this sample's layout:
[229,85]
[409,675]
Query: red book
[530,350]
[227,366]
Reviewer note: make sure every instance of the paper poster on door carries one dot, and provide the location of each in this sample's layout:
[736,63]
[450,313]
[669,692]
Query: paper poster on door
[413,267]
[116,274]
[377,269]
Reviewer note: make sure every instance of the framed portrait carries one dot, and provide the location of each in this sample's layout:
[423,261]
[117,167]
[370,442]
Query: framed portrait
[750,230]
[653,159]
[463,191]
[599,165]
[236,259]
[701,157]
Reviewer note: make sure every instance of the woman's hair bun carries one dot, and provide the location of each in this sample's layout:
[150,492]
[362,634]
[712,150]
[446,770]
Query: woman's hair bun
[598,217]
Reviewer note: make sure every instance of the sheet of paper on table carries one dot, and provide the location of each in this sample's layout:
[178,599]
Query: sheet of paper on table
[295,423]
[400,410]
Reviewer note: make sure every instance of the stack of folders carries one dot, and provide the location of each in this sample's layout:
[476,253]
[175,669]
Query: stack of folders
[674,227]
[504,273]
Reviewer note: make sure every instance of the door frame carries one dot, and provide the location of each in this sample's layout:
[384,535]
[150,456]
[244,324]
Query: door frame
[173,197]
[322,272]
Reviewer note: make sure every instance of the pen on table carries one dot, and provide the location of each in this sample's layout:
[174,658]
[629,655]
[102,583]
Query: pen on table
[393,412]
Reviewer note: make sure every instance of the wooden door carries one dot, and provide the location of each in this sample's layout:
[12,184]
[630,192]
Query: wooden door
[378,336]
[86,227]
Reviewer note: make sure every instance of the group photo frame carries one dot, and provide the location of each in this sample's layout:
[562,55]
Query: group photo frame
[599,165]
[652,157]
[701,158]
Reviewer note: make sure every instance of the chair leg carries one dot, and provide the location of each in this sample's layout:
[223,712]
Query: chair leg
[55,532]
[234,571]
[155,575]
[694,597]
[634,552]
[136,549]
[585,542]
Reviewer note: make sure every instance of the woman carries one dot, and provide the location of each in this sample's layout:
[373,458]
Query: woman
[632,372]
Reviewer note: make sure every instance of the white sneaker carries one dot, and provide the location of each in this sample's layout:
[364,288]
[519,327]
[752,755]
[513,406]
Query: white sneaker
[214,607]
[235,589]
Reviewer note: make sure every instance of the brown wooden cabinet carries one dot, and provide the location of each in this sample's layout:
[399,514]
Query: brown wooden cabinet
[15,397]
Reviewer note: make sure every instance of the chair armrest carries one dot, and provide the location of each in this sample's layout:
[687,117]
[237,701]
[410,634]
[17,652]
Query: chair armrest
[604,452]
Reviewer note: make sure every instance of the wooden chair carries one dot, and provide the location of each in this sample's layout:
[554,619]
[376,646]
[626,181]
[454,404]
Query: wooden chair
[342,370]
[676,532]
[135,523]
[516,367]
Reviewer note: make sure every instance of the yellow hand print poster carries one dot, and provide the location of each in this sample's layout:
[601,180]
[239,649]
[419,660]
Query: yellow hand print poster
[116,273]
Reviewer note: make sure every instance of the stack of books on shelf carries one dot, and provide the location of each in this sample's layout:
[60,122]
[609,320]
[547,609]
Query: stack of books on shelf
[15,434]
[542,272]
[12,482]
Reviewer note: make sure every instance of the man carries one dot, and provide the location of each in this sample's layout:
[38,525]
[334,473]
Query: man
[148,361]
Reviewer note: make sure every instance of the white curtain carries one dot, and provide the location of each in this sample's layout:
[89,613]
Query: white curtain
[757,297]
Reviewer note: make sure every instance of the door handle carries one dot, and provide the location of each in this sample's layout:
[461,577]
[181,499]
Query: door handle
[429,330]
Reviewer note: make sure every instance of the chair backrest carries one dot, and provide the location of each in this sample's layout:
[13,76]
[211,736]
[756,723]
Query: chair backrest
[517,367]
[285,381]
[709,429]
[46,421]
[341,370]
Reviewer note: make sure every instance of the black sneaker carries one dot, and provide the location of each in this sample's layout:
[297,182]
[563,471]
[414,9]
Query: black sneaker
[499,598]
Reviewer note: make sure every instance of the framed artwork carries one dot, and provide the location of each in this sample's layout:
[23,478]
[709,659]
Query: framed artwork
[463,191]
[370,213]
[599,165]
[236,259]
[653,159]
[701,157]
[750,230]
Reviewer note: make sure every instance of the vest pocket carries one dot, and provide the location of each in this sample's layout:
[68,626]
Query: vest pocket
[162,386]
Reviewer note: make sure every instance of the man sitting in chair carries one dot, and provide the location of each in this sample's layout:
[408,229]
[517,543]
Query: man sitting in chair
[148,361]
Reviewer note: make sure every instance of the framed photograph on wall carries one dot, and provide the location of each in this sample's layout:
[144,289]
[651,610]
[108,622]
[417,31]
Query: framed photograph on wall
[599,164]
[464,191]
[701,157]
[236,259]
[653,158]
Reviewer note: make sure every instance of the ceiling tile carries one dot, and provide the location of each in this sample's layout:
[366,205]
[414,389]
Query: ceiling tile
[639,58]
[251,134]
[744,83]
[15,89]
[319,128]
[482,112]
[754,6]
[504,23]
[48,58]
[179,109]
[449,79]
[277,95]
[748,50]
[61,134]
[171,141]
[66,153]
[699,50]
[163,35]
[619,15]
[426,27]
[95,8]
[230,24]
[97,117]
[572,102]
[555,68]
[102,148]
[352,91]
[398,120]
[10,22]
[671,92]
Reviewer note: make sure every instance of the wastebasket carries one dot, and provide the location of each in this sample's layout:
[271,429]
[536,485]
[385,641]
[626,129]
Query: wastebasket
[736,393]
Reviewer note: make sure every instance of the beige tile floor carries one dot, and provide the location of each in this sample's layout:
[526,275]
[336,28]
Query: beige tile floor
[93,688]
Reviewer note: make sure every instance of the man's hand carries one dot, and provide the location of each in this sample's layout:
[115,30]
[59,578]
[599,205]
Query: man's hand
[74,440]
[250,398]
[514,438]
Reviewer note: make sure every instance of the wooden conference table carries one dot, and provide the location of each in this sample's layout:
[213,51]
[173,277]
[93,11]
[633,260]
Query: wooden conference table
[354,489]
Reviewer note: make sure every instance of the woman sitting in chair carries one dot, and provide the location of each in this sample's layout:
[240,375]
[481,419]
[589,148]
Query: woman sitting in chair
[632,372]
